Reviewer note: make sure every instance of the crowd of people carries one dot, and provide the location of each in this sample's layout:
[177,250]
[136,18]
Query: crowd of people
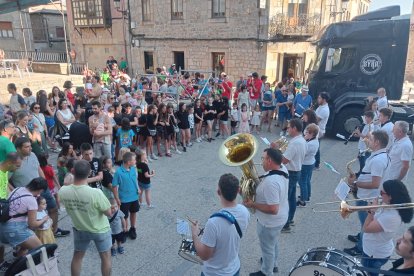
[108,132]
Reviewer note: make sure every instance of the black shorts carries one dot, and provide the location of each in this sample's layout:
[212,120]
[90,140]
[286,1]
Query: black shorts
[233,123]
[132,207]
[118,237]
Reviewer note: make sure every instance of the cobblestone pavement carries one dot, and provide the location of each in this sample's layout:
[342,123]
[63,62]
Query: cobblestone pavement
[186,185]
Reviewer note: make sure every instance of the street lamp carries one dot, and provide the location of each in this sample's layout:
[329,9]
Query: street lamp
[117,5]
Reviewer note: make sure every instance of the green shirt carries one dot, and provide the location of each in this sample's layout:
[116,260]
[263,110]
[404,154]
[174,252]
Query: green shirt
[123,64]
[6,146]
[105,77]
[4,181]
[86,207]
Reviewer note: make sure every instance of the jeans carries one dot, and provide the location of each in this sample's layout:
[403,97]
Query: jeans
[318,156]
[305,182]
[268,238]
[293,180]
[362,215]
[373,263]
[101,149]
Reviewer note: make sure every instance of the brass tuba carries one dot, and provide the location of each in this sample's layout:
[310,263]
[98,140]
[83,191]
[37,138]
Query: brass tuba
[239,150]
[282,143]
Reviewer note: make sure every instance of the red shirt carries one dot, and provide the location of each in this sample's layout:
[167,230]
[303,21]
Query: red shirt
[254,93]
[70,97]
[49,174]
[227,85]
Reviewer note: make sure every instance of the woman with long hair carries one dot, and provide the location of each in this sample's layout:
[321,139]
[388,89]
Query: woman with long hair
[68,93]
[381,225]
[162,130]
[23,130]
[64,114]
[184,125]
[39,123]
[309,117]
[151,131]
[172,129]
[67,151]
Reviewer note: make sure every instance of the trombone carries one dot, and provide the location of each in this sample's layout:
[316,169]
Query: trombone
[345,209]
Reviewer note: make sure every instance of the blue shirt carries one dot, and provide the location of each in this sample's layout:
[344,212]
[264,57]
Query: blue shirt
[282,99]
[301,104]
[127,182]
[125,137]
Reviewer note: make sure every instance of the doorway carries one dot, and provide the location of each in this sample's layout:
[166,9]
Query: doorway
[179,60]
[149,62]
[218,63]
[293,65]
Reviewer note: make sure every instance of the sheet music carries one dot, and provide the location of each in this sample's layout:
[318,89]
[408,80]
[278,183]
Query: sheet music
[183,227]
[264,139]
[342,190]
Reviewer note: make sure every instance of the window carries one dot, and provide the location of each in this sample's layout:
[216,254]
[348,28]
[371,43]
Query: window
[88,13]
[6,29]
[60,33]
[297,12]
[340,60]
[177,9]
[218,8]
[149,61]
[38,28]
[218,63]
[146,10]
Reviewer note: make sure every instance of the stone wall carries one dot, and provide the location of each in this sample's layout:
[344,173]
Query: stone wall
[16,43]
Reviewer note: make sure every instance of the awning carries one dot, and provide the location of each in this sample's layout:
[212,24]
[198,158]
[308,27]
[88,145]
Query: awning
[7,6]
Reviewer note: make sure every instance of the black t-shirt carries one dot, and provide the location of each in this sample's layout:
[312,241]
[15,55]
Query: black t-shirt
[88,112]
[150,121]
[209,116]
[182,118]
[96,167]
[217,106]
[78,134]
[397,263]
[142,168]
[131,117]
[107,178]
[199,112]
[225,108]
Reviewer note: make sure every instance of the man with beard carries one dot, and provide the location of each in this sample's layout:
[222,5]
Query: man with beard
[100,128]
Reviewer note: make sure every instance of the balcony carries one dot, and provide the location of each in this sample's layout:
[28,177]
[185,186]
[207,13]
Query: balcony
[301,25]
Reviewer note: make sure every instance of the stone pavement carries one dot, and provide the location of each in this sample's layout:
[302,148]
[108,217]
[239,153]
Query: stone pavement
[186,185]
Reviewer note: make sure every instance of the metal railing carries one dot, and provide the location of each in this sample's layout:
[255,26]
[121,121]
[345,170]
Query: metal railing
[37,56]
[301,25]
[78,68]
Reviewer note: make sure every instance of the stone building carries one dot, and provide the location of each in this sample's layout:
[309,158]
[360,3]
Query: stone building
[235,36]
[13,27]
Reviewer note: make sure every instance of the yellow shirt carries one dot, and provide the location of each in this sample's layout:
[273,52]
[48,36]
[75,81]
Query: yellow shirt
[86,207]
[4,181]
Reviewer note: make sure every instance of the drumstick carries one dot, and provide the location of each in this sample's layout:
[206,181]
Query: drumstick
[190,220]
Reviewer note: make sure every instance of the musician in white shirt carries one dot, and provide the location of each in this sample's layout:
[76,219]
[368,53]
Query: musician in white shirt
[382,98]
[387,125]
[322,115]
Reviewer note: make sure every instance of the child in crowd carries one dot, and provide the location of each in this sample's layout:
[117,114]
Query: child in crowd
[191,120]
[209,114]
[244,119]
[311,137]
[223,117]
[107,177]
[144,178]
[173,128]
[284,110]
[69,178]
[255,122]
[125,134]
[28,97]
[363,136]
[118,228]
[50,176]
[198,120]
[234,118]
[62,170]
[44,232]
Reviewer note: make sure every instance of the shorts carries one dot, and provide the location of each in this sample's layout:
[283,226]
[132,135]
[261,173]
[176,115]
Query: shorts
[144,186]
[223,122]
[118,237]
[233,123]
[81,240]
[15,232]
[50,200]
[283,116]
[132,207]
[253,103]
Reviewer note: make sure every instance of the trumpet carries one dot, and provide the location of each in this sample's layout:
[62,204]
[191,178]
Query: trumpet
[346,210]
[282,143]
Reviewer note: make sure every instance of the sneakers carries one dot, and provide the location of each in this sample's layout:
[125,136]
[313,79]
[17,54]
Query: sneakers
[61,233]
[121,250]
[353,238]
[132,233]
[178,151]
[154,157]
[353,251]
[151,206]
[4,266]
[301,203]
[168,154]
[198,140]
[217,134]
[113,252]
[189,144]
[184,149]
[258,273]
[286,228]
[150,159]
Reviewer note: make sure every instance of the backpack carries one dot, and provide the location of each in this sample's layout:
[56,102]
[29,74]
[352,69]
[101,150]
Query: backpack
[5,207]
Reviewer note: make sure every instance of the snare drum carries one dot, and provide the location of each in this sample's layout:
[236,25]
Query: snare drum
[326,261]
[188,252]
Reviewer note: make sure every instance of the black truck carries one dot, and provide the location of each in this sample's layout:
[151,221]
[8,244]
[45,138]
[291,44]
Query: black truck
[355,58]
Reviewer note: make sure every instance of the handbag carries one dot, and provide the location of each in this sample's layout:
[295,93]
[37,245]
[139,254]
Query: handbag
[47,266]
[152,132]
[176,129]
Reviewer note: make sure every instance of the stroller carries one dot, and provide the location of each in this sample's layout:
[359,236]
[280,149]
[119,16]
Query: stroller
[60,132]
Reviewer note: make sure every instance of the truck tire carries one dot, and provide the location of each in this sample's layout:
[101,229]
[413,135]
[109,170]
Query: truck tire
[347,120]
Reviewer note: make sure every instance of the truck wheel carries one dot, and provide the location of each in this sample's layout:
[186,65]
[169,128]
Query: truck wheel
[347,120]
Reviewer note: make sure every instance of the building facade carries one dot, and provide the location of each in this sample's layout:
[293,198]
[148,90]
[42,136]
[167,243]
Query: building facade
[238,37]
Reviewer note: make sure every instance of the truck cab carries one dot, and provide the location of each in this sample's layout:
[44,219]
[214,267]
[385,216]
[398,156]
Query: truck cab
[355,58]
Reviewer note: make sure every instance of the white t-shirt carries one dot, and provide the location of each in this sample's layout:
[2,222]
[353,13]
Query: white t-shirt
[273,190]
[312,149]
[322,112]
[401,150]
[295,153]
[381,245]
[387,127]
[382,102]
[223,236]
[377,164]
[234,114]
[361,144]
